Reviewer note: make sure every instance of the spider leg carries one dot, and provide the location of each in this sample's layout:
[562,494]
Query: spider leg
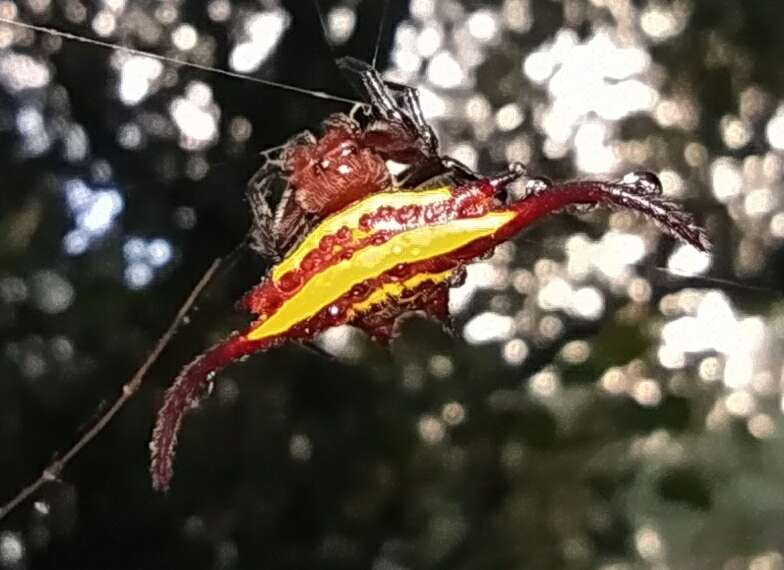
[364,108]
[436,171]
[456,171]
[407,112]
[291,223]
[432,169]
[514,171]
[263,236]
[428,173]
[413,108]
[260,234]
[466,173]
[273,154]
[341,121]
[303,138]
[374,87]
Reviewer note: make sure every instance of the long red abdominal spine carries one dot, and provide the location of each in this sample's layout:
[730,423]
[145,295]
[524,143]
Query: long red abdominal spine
[192,384]
[534,207]
[531,208]
[668,215]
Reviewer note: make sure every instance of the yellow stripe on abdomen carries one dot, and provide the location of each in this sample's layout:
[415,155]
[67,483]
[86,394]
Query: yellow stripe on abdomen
[349,217]
[419,244]
[394,289]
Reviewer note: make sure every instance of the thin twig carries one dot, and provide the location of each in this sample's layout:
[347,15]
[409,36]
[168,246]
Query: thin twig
[53,470]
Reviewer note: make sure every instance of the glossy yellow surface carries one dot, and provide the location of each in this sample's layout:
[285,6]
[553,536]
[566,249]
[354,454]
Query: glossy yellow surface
[349,218]
[394,289]
[419,244]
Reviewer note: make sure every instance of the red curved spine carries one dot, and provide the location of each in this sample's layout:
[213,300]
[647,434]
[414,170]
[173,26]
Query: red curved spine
[192,384]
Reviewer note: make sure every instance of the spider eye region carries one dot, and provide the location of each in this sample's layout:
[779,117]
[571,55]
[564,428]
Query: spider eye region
[348,149]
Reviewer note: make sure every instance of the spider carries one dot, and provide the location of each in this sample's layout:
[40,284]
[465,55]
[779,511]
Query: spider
[351,246]
[348,162]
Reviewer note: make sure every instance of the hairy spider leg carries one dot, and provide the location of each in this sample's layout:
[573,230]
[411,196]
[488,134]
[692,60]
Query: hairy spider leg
[266,223]
[429,168]
[411,103]
[260,234]
[373,86]
[408,113]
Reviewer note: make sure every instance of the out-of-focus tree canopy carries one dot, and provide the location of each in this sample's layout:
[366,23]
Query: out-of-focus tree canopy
[611,399]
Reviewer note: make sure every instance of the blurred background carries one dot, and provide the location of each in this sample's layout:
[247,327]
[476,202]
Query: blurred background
[611,399]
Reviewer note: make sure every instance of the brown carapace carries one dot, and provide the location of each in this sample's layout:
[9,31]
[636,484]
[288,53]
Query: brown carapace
[335,170]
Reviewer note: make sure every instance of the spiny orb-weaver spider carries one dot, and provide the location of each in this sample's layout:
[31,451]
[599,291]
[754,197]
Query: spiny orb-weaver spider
[351,246]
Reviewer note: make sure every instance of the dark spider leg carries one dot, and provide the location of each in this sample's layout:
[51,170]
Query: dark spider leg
[465,172]
[435,167]
[374,87]
[432,167]
[413,108]
[261,234]
[272,154]
[363,107]
[294,223]
[459,172]
[437,171]
[513,172]
[302,138]
[430,173]
[341,121]
[409,113]
[286,202]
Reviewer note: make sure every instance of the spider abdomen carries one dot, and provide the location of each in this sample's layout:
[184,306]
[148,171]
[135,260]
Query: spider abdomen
[384,249]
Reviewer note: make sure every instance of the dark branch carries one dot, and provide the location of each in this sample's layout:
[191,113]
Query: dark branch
[53,470]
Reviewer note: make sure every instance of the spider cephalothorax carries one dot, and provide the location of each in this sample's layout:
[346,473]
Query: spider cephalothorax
[347,162]
[351,249]
[335,170]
